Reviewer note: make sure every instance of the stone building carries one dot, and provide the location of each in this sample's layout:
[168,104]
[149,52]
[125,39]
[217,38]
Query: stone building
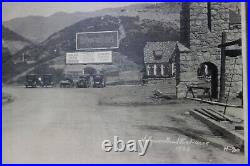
[158,59]
[204,26]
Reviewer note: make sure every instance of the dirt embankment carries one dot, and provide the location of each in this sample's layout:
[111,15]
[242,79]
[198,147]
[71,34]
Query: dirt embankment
[137,95]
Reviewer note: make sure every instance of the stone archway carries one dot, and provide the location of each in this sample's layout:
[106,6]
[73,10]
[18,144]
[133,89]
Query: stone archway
[209,72]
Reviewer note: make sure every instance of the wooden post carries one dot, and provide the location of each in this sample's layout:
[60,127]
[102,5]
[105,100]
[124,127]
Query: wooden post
[223,69]
[23,58]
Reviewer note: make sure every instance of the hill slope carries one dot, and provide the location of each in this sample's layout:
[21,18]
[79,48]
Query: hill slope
[13,41]
[133,35]
[37,28]
[133,32]
[8,67]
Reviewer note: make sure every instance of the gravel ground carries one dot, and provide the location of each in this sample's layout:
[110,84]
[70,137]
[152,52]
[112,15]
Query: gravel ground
[56,125]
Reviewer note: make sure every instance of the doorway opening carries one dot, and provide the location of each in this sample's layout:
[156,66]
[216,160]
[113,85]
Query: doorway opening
[209,72]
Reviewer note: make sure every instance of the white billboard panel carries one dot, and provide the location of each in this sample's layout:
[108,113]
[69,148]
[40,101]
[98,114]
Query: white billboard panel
[97,40]
[99,57]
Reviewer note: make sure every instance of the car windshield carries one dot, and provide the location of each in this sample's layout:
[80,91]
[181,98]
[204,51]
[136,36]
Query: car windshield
[98,78]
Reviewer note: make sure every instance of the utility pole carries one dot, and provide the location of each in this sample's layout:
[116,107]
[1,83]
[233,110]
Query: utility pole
[222,69]
[23,58]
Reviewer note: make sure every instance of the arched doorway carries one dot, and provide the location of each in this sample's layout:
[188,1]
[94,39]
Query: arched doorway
[209,72]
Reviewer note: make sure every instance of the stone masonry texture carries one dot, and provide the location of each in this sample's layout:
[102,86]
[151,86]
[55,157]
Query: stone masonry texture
[203,45]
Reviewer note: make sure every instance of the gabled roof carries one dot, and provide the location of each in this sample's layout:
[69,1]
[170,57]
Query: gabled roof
[167,48]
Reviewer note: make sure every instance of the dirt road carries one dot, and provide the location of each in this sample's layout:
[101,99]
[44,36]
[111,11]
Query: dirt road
[56,125]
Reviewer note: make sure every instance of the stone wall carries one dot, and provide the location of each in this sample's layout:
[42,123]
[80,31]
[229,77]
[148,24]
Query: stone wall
[203,44]
[234,68]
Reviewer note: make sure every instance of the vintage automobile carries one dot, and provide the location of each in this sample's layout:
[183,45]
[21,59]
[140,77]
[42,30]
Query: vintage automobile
[83,82]
[47,80]
[66,83]
[99,81]
[31,81]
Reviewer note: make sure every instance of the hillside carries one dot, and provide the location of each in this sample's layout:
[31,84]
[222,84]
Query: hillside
[37,28]
[8,34]
[133,32]
[8,67]
[13,41]
[133,35]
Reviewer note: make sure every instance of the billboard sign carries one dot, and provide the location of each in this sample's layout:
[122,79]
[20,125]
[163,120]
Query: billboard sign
[100,57]
[97,40]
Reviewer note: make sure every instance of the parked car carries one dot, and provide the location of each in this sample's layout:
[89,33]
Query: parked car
[66,83]
[99,81]
[83,82]
[47,80]
[31,81]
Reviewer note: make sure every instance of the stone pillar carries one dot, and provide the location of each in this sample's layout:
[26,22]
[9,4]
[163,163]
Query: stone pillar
[172,68]
[155,67]
[162,69]
[148,69]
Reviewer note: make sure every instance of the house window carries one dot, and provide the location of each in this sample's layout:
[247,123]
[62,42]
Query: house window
[234,19]
[209,20]
[151,70]
[158,70]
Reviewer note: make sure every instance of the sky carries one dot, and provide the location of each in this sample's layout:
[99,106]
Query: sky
[12,10]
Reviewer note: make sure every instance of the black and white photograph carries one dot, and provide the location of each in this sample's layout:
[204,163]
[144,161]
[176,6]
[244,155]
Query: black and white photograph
[124,82]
